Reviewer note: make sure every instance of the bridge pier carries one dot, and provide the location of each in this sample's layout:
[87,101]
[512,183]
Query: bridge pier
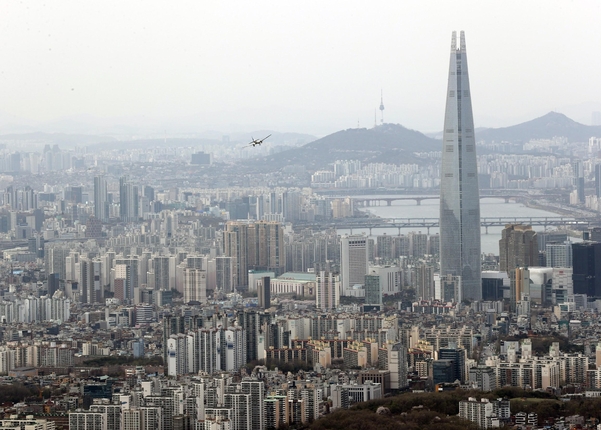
[486,230]
[419,202]
[367,203]
[506,199]
[428,231]
[370,231]
[388,202]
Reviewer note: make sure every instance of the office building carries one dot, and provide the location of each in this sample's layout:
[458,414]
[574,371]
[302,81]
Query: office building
[519,286]
[457,357]
[373,289]
[518,247]
[494,285]
[353,260]
[264,293]
[450,289]
[587,268]
[459,195]
[558,254]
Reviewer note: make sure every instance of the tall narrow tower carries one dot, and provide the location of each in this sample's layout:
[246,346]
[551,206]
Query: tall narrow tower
[459,196]
[382,106]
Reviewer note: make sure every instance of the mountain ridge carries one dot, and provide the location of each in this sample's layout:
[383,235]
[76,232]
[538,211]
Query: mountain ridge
[548,126]
[390,143]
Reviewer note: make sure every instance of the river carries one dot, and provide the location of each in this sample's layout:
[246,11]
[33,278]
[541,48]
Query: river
[489,207]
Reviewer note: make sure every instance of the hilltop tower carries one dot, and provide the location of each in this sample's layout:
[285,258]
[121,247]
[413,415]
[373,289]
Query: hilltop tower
[459,195]
[381,107]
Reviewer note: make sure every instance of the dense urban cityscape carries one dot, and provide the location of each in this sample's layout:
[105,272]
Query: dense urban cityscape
[375,277]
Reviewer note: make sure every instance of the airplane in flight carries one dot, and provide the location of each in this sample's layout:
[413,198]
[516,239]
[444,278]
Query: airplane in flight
[256,142]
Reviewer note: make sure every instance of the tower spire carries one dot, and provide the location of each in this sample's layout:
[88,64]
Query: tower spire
[382,106]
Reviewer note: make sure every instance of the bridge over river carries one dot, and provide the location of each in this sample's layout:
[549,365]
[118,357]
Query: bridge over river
[428,223]
[368,201]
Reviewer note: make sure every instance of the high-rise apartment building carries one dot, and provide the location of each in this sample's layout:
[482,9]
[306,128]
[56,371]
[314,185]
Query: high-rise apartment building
[423,280]
[255,246]
[161,265]
[459,195]
[126,269]
[195,285]
[255,389]
[518,247]
[598,180]
[91,290]
[328,290]
[418,243]
[101,203]
[225,274]
[128,200]
[354,263]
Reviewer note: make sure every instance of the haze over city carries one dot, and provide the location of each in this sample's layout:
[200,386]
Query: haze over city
[313,67]
[300,215]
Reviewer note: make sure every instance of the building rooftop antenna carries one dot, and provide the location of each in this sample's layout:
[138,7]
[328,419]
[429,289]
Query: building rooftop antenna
[382,106]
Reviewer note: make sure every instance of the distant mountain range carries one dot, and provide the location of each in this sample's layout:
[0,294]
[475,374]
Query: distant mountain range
[389,143]
[546,127]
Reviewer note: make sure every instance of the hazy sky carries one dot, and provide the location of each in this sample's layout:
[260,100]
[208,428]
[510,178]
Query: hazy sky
[306,66]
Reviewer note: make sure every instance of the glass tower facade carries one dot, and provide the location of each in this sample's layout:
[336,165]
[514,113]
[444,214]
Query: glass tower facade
[459,195]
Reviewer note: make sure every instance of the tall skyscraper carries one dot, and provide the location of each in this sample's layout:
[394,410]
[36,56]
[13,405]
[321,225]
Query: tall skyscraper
[459,195]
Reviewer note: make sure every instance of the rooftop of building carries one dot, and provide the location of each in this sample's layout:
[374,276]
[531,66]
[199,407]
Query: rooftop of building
[298,276]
